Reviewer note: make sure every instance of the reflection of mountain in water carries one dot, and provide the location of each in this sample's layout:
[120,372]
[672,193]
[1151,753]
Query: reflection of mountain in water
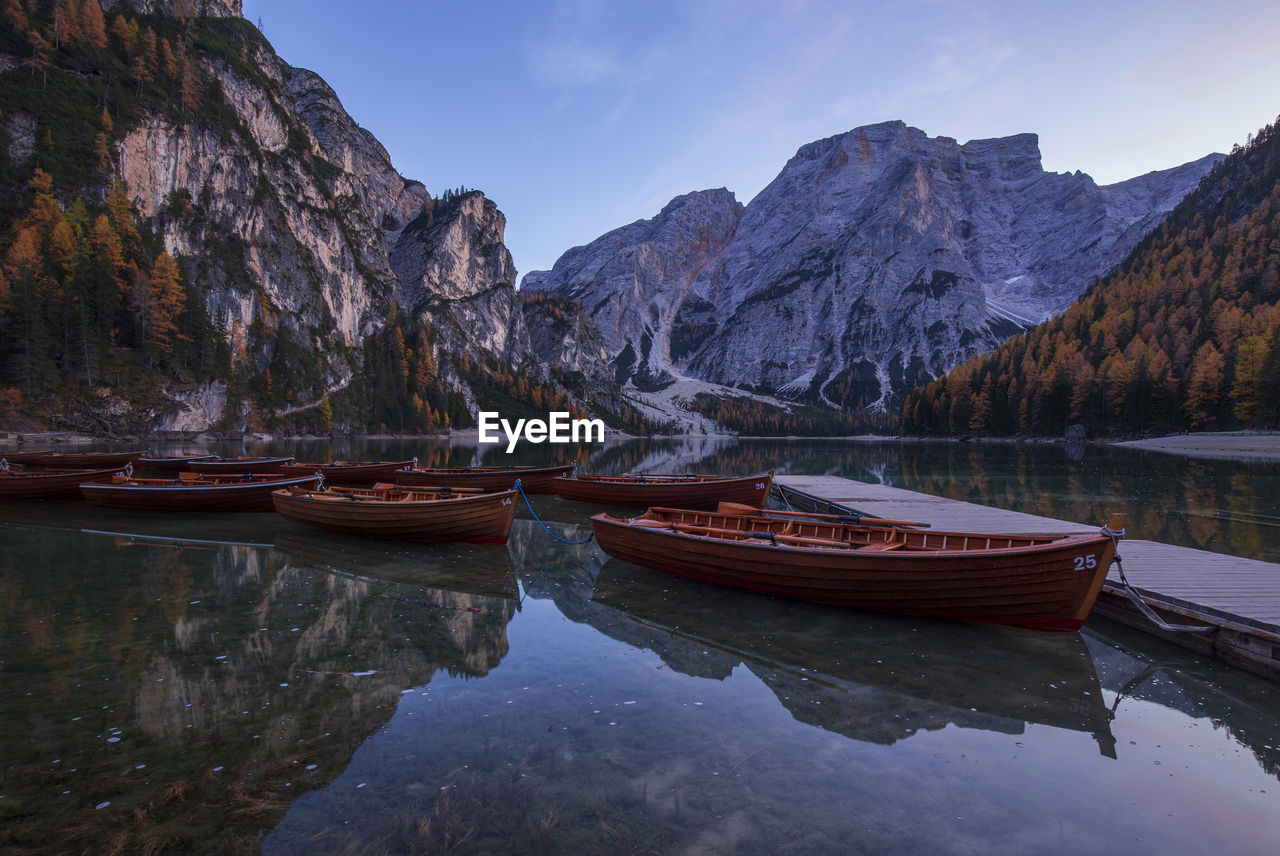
[193,689]
[869,677]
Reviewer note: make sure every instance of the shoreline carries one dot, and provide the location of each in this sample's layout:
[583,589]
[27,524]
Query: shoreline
[1239,445]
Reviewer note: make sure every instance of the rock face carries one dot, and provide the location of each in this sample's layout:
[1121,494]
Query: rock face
[298,225]
[633,280]
[876,259]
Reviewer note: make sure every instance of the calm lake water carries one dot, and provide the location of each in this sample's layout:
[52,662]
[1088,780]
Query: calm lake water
[241,684]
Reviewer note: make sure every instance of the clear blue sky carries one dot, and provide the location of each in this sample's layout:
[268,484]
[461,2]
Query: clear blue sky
[579,116]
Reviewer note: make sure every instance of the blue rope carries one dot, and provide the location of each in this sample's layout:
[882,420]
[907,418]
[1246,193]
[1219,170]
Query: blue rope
[543,525]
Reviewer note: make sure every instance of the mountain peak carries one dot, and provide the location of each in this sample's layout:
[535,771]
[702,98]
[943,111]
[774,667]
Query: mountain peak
[877,258]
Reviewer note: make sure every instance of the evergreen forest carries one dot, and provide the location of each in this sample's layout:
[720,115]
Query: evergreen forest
[1183,335]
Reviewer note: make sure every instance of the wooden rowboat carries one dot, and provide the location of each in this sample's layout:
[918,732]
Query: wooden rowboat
[532,479]
[191,492]
[698,492]
[1048,582]
[172,463]
[73,460]
[387,511]
[351,472]
[239,466]
[48,484]
[30,458]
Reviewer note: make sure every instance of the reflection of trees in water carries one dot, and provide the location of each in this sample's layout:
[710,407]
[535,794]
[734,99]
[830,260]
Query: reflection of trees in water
[198,690]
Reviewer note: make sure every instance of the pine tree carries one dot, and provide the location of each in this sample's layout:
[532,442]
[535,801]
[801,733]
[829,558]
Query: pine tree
[166,298]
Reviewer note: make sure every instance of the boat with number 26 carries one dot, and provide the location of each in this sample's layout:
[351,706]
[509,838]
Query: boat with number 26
[1047,582]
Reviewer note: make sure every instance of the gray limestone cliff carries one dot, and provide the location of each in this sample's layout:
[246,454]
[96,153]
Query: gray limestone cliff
[876,259]
[303,235]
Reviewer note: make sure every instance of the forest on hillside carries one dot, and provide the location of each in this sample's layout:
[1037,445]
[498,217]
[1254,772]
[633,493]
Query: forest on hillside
[91,306]
[1183,335]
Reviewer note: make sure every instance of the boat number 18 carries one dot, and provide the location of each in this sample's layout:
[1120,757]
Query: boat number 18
[1086,563]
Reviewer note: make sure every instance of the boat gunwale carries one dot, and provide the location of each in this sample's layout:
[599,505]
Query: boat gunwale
[374,501]
[1055,541]
[188,487]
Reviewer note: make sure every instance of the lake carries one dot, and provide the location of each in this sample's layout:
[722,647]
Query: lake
[237,683]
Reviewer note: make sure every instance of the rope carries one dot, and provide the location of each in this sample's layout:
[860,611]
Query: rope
[538,576]
[1144,608]
[543,525]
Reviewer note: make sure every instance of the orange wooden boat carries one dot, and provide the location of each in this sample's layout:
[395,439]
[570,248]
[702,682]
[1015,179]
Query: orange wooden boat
[192,492]
[239,466]
[1048,582]
[698,492]
[387,511]
[351,472]
[532,479]
[48,484]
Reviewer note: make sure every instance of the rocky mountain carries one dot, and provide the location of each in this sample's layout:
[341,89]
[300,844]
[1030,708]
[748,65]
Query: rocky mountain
[308,251]
[876,259]
[1183,335]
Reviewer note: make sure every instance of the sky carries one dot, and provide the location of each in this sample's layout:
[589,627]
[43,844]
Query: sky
[580,116]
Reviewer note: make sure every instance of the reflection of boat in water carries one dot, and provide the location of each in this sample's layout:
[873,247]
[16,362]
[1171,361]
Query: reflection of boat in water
[1135,667]
[475,569]
[130,524]
[877,678]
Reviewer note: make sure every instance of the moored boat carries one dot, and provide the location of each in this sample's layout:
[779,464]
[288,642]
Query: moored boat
[29,458]
[191,492]
[532,479]
[351,472]
[698,492]
[1048,582]
[239,466]
[48,484]
[172,463]
[73,460]
[387,511]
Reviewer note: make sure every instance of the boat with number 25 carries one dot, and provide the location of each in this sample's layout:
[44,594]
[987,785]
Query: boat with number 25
[1047,582]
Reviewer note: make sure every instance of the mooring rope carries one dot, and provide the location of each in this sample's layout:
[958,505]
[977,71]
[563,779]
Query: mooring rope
[543,525]
[1136,598]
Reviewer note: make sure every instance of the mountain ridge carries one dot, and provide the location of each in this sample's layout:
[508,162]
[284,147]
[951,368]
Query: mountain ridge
[876,259]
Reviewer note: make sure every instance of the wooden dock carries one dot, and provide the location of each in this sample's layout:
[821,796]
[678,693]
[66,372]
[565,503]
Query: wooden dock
[1237,599]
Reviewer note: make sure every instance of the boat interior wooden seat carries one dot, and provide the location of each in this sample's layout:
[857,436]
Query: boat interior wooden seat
[882,547]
